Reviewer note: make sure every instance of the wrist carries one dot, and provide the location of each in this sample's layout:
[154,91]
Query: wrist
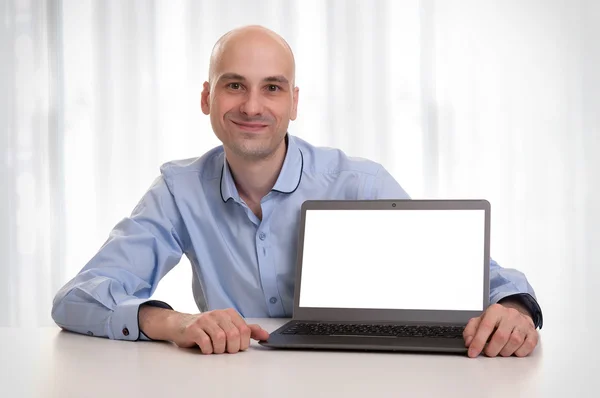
[517,305]
[158,323]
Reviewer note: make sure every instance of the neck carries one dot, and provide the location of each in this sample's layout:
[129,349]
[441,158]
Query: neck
[254,179]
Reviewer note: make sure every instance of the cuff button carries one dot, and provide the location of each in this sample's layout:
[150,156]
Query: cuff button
[125,332]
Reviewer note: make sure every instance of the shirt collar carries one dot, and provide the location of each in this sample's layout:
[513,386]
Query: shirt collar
[228,188]
[287,182]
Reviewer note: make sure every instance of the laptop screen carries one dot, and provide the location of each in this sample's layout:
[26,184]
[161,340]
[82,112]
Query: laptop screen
[393,259]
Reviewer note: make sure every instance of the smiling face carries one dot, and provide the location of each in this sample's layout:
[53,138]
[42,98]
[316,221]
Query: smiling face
[251,96]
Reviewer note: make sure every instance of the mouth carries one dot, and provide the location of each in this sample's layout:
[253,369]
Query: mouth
[246,126]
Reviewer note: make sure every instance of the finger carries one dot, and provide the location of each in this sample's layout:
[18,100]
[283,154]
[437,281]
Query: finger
[470,330]
[528,345]
[514,342]
[217,335]
[490,319]
[204,342]
[244,330]
[233,335]
[500,337]
[258,333]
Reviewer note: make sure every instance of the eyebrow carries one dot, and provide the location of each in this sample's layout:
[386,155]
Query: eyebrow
[276,79]
[269,79]
[231,76]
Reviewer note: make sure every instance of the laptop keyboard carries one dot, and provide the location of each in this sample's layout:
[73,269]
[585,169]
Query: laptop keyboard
[345,329]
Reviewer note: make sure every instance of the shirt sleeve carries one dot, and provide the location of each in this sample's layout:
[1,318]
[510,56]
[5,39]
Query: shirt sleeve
[507,282]
[384,186]
[104,298]
[504,282]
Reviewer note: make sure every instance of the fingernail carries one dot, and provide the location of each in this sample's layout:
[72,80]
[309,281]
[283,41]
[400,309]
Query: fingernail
[472,352]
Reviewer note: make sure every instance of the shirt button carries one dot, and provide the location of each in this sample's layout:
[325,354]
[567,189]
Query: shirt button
[262,236]
[125,332]
[273,300]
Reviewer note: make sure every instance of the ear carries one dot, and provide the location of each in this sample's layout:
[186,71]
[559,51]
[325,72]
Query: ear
[295,104]
[205,98]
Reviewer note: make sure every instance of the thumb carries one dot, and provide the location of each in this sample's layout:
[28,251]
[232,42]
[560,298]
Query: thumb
[258,333]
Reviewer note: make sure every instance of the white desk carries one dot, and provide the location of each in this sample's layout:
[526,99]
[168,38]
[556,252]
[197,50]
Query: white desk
[46,362]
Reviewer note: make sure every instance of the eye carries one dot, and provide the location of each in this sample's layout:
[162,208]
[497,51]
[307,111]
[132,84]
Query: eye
[273,87]
[234,86]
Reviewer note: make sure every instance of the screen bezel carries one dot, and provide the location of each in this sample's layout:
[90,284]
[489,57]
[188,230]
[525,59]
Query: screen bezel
[392,315]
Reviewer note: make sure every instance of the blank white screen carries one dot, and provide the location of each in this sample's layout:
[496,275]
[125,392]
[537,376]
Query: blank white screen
[393,259]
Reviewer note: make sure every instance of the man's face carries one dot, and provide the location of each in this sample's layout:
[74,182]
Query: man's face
[251,98]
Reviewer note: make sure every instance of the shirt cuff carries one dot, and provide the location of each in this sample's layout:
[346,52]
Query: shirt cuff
[529,302]
[124,324]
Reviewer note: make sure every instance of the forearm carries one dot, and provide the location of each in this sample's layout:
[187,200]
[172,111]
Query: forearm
[76,310]
[100,305]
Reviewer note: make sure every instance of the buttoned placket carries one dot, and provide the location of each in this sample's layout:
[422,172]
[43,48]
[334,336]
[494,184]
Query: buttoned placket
[266,265]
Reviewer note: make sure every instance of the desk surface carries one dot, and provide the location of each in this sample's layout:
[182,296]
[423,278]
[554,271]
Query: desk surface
[47,362]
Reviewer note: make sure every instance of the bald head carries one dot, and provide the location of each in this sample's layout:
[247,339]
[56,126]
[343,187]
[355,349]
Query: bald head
[251,95]
[258,40]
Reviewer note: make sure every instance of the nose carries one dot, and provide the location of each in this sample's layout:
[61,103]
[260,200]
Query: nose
[252,105]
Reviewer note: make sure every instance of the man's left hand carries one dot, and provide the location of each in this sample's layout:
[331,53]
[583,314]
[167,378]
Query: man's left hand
[505,328]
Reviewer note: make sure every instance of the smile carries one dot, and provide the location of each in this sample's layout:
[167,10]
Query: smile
[250,126]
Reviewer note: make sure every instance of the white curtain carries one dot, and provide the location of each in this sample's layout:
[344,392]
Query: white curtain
[473,98]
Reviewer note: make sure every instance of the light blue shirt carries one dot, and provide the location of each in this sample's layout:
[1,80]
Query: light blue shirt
[238,260]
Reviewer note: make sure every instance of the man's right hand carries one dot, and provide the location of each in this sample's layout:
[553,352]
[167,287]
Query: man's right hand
[215,332]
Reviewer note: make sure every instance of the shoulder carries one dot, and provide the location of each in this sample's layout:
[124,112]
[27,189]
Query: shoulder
[370,177]
[205,167]
[327,160]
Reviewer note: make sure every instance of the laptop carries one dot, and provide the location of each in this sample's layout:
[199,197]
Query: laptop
[388,275]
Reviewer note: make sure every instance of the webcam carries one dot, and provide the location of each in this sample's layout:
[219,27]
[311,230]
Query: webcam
[393,205]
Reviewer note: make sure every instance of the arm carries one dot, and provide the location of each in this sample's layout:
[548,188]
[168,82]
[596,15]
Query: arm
[508,287]
[104,298]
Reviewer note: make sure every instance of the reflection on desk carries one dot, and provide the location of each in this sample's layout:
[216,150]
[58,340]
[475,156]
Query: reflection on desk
[48,362]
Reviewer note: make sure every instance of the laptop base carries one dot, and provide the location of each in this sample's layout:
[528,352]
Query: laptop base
[364,343]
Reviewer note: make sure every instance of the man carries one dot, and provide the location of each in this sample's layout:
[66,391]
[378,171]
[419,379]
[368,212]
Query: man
[234,213]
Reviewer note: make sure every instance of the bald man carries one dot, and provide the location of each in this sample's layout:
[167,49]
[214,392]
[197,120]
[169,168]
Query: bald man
[234,213]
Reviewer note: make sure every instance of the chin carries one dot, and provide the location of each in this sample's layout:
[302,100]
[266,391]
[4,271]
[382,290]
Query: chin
[253,151]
